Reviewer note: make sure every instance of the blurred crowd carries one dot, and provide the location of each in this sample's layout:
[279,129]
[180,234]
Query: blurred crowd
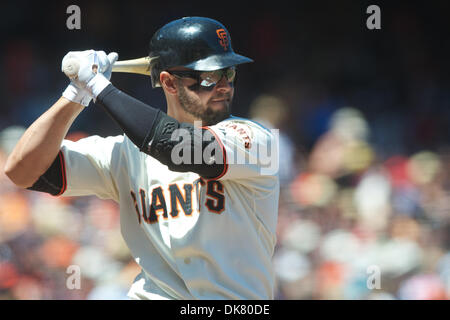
[364,209]
[354,225]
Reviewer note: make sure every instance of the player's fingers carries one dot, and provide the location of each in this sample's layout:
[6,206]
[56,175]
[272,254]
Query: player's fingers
[103,61]
[112,57]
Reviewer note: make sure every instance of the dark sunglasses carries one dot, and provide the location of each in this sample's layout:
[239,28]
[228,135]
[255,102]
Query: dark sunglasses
[206,80]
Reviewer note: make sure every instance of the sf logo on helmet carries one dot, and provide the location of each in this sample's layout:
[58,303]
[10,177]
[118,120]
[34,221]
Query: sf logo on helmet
[223,38]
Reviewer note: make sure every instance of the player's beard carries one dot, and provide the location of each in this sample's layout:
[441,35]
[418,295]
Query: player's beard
[206,114]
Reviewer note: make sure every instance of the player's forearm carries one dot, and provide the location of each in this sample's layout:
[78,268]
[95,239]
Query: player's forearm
[41,142]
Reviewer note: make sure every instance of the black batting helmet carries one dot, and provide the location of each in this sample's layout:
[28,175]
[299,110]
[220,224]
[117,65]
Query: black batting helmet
[196,43]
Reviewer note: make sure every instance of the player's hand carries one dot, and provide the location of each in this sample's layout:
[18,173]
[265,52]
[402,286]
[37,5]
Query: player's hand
[101,80]
[106,62]
[88,64]
[76,91]
[95,68]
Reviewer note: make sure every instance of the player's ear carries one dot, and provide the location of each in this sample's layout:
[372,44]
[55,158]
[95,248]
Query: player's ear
[168,82]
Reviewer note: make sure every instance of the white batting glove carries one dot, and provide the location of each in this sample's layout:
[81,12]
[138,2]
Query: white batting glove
[77,95]
[106,62]
[101,80]
[90,63]
[76,90]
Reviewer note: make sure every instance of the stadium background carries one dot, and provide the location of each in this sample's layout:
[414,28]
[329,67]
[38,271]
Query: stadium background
[364,118]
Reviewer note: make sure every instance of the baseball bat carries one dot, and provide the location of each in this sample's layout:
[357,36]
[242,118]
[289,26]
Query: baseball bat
[139,66]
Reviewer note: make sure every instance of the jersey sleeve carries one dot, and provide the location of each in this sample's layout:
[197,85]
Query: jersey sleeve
[83,168]
[248,149]
[88,164]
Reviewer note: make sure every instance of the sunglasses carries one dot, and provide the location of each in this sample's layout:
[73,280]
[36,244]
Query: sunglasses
[206,80]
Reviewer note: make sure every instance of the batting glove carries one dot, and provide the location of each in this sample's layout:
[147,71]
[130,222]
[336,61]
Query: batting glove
[90,63]
[101,80]
[76,90]
[77,95]
[106,62]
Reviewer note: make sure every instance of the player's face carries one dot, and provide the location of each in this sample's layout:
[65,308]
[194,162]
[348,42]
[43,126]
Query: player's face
[207,98]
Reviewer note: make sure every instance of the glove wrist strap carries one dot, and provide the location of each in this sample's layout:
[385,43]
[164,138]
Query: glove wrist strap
[97,84]
[76,95]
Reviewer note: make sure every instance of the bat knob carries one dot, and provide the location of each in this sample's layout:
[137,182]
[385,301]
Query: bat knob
[70,67]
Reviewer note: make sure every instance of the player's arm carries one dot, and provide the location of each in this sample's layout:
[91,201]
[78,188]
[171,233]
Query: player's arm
[40,144]
[152,132]
[37,150]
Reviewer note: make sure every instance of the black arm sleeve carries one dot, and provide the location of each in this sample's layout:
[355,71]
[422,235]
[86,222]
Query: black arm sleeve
[180,146]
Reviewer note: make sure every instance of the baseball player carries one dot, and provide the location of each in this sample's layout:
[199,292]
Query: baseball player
[198,210]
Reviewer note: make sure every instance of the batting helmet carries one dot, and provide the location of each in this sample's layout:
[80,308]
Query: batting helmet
[196,43]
